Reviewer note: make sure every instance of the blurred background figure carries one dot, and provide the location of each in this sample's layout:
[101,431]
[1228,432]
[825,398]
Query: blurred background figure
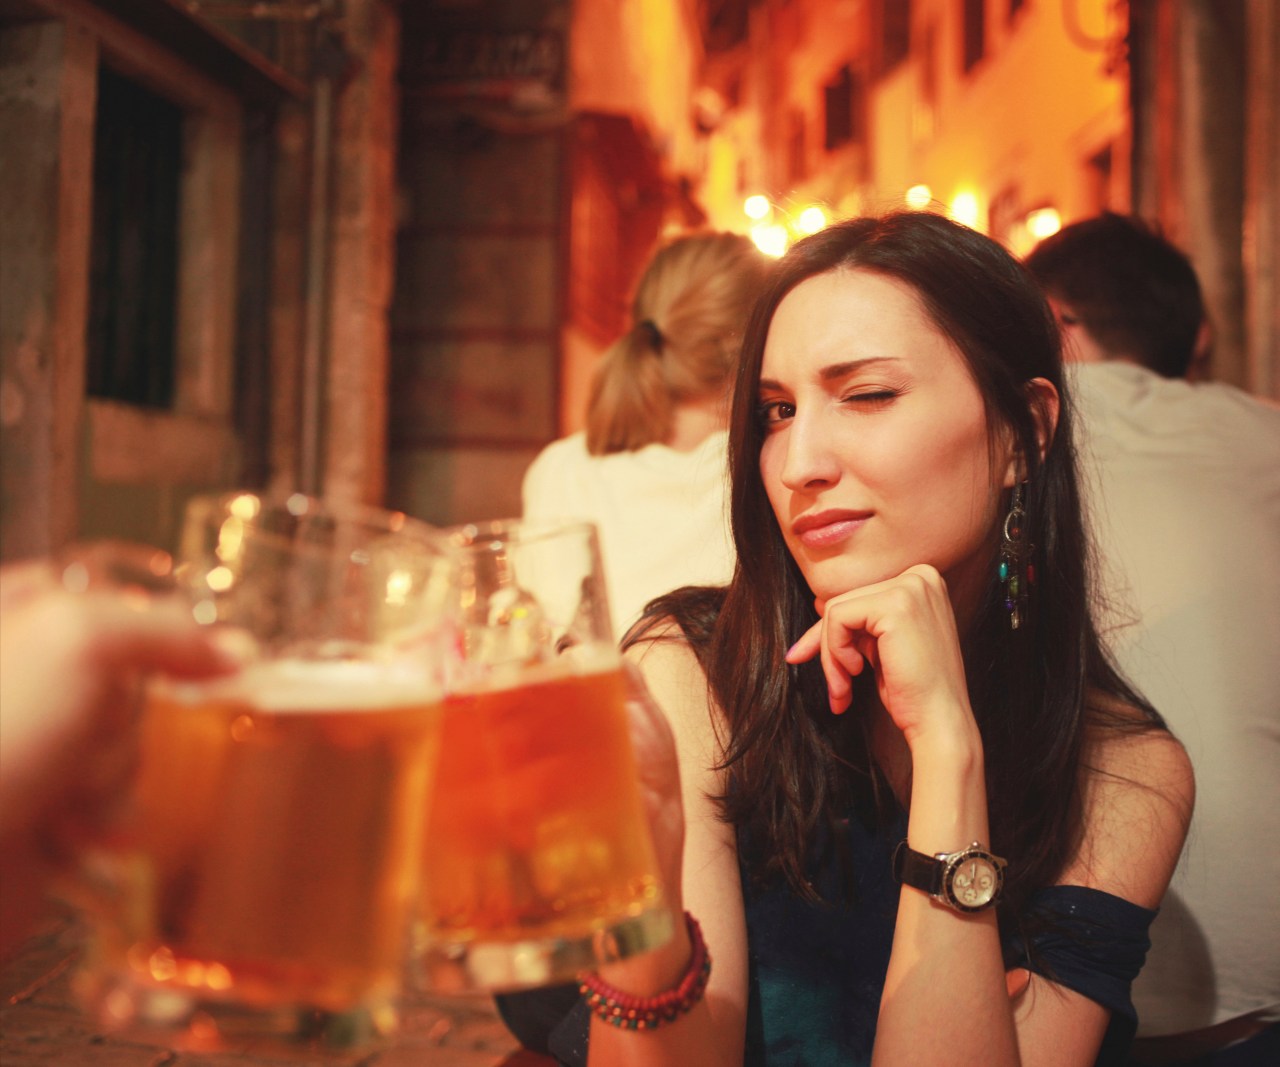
[1183,485]
[649,469]
[1122,292]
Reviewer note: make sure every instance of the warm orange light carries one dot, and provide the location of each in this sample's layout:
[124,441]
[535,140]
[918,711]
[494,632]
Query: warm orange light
[245,506]
[919,197]
[771,239]
[1043,222]
[220,579]
[811,219]
[162,965]
[964,208]
[756,207]
[216,976]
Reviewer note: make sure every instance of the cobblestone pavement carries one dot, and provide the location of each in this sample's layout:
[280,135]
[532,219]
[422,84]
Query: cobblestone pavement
[40,1026]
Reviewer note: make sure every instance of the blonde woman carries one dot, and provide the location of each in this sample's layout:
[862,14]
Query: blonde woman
[649,469]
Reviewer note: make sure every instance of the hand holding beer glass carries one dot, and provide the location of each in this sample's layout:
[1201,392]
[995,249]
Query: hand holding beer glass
[538,858]
[261,881]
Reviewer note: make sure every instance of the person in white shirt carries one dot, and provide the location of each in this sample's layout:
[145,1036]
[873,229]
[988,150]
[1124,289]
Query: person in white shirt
[1182,481]
[650,468]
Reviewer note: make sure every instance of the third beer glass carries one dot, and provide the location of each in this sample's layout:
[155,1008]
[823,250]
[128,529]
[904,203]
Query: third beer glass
[538,857]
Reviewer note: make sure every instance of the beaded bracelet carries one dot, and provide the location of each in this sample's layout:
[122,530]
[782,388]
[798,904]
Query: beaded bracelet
[647,1013]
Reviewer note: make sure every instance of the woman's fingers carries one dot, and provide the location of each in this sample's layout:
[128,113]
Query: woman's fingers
[901,628]
[844,654]
[809,645]
[848,647]
[658,769]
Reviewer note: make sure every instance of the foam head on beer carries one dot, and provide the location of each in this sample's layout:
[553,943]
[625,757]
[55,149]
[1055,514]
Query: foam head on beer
[317,685]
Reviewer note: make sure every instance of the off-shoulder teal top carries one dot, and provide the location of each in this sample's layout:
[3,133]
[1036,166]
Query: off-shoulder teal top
[816,971]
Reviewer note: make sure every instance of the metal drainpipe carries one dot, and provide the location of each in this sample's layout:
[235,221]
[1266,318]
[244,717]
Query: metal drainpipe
[315,344]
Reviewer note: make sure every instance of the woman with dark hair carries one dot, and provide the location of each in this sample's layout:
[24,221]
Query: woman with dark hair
[923,817]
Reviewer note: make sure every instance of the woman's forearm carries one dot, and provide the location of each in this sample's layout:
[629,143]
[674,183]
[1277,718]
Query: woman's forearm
[945,997]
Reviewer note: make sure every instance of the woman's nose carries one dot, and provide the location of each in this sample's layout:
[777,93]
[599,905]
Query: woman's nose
[809,458]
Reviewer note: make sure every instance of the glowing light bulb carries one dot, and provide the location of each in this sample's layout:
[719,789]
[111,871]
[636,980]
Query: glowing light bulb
[756,207]
[811,219]
[771,239]
[964,209]
[245,506]
[919,197]
[220,579]
[1043,222]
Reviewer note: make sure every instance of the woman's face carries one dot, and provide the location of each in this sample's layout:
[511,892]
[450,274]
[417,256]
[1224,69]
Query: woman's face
[875,454]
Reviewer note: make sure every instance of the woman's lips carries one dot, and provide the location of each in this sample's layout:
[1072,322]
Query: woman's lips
[828,528]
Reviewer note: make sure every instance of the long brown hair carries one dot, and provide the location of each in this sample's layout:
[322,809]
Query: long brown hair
[792,766]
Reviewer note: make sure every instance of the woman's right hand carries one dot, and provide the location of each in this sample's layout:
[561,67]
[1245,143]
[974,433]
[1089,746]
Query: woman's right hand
[904,629]
[677,757]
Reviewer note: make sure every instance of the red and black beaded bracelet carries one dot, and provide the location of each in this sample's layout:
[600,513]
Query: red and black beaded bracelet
[647,1013]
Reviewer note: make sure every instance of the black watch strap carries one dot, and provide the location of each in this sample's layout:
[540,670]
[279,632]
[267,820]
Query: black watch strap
[969,881]
[918,870]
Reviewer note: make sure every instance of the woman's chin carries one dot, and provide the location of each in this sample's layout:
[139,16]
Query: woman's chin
[828,579]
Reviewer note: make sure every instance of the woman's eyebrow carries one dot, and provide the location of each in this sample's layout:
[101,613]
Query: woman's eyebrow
[834,372]
[842,370]
[831,373]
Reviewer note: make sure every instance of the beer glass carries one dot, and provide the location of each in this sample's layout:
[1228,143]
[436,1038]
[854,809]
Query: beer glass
[260,883]
[538,859]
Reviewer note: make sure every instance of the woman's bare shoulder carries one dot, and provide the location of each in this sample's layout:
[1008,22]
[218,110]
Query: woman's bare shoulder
[1138,792]
[676,681]
[664,651]
[1122,741]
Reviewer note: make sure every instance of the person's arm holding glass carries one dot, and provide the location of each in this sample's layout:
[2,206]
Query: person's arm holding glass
[911,780]
[699,859]
[221,760]
[69,662]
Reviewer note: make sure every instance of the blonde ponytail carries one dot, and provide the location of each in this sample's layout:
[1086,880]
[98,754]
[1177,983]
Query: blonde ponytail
[688,313]
[629,405]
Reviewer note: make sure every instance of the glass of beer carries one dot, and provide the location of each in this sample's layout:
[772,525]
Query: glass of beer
[260,882]
[538,858]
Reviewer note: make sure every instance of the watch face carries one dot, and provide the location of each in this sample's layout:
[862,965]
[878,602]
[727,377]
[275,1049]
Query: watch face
[973,881]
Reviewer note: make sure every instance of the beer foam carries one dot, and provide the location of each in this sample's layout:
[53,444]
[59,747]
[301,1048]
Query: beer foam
[575,661]
[282,686]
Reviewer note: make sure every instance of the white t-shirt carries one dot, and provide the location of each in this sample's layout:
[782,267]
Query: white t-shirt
[662,514]
[1183,482]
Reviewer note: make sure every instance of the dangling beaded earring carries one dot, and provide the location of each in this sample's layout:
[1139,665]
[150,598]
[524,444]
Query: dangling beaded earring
[1015,569]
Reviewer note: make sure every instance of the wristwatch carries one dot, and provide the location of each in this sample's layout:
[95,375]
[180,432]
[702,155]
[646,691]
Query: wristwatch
[968,881]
